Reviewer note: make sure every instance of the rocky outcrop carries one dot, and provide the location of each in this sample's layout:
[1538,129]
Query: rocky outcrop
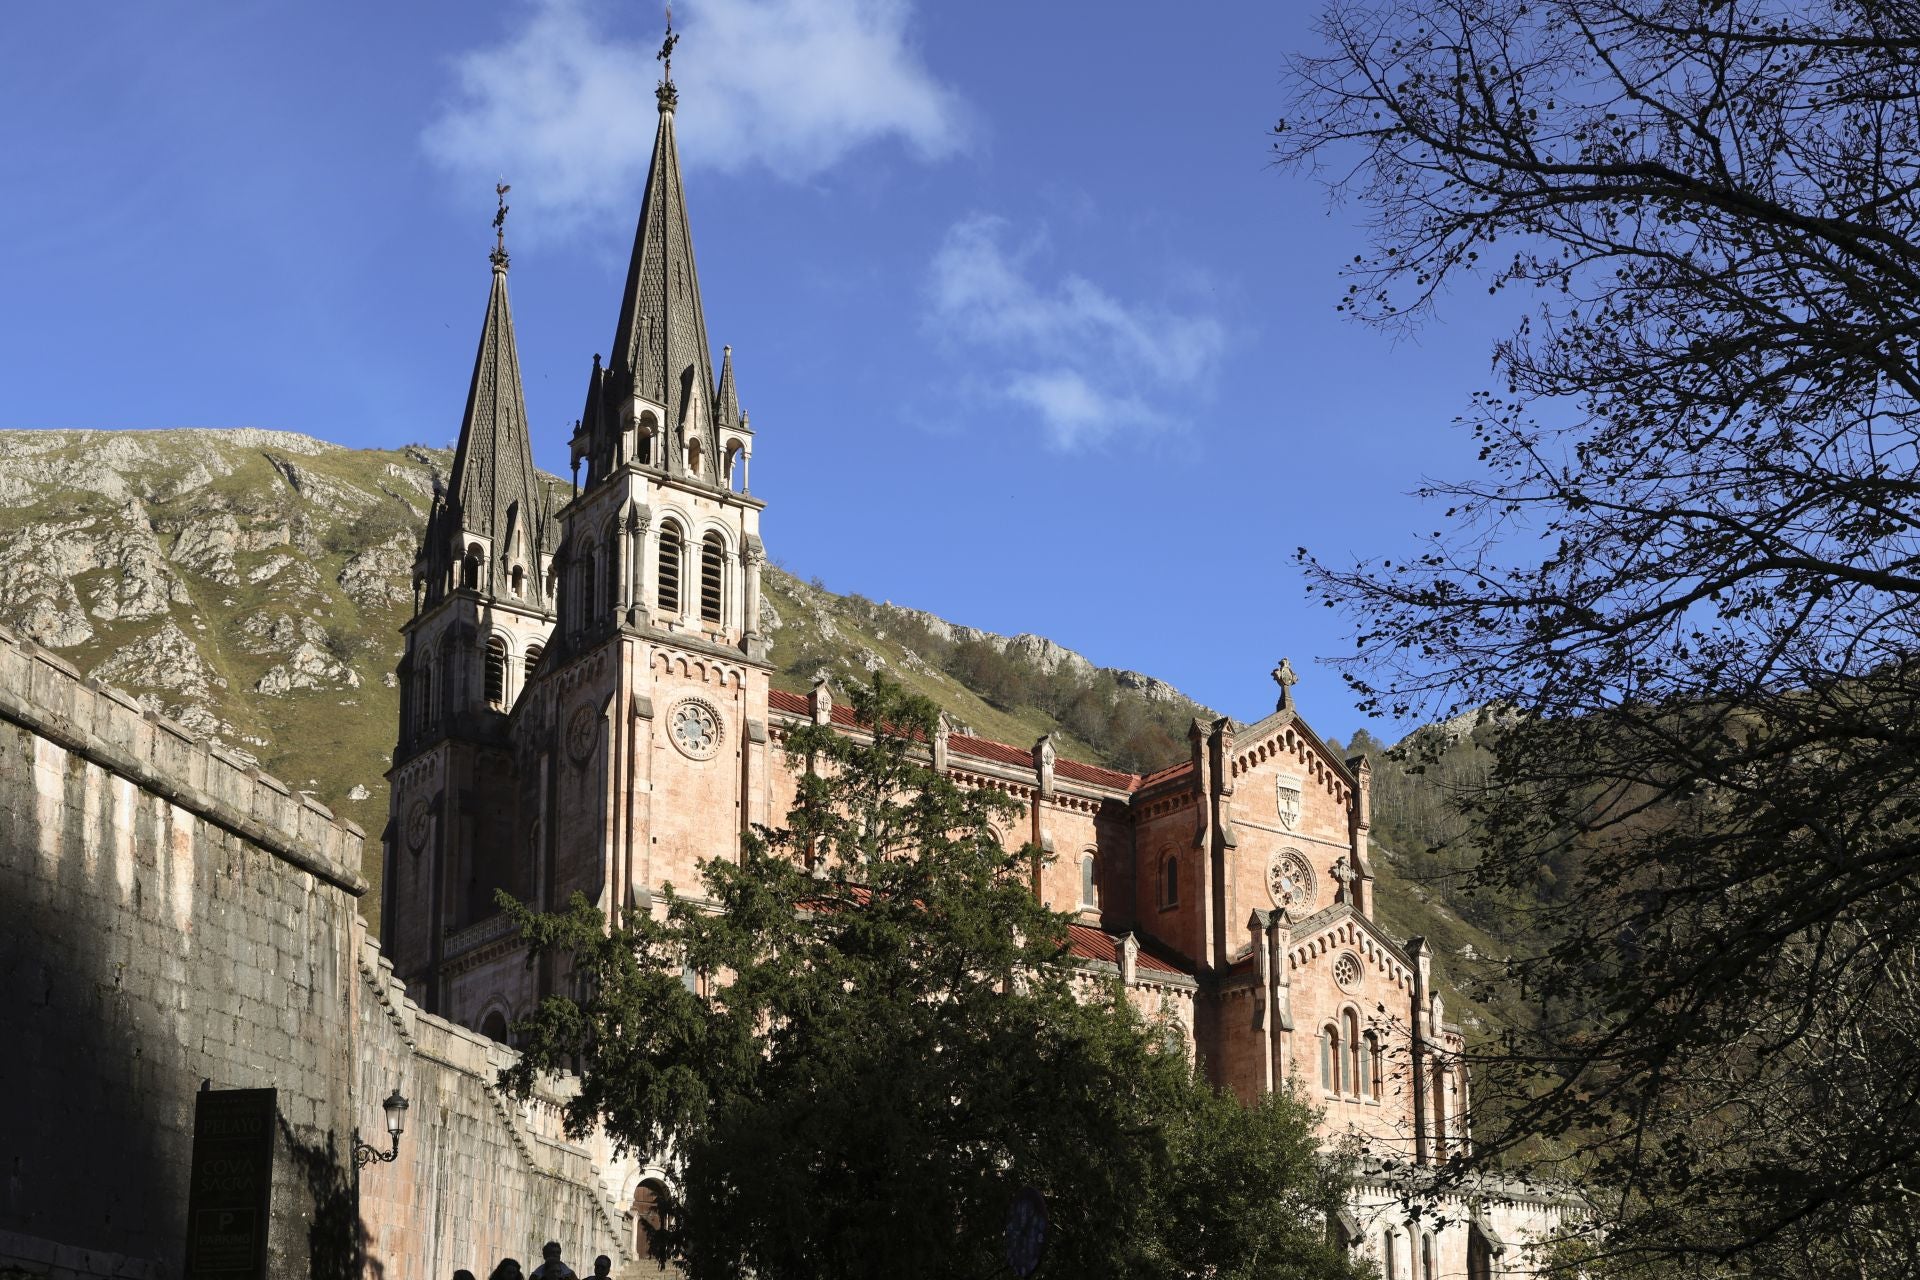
[310,667]
[164,658]
[1044,655]
[271,632]
[381,575]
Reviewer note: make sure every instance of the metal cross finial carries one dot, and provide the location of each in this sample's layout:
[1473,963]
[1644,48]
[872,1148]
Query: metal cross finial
[1284,677]
[666,93]
[666,46]
[500,190]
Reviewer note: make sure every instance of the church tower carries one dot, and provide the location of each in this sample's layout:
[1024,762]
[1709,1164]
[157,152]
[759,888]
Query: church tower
[645,750]
[483,610]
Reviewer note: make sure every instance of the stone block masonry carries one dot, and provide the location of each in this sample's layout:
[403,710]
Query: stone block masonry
[170,915]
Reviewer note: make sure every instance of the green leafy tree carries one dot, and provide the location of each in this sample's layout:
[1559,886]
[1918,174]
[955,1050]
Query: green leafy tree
[865,1037]
[1686,577]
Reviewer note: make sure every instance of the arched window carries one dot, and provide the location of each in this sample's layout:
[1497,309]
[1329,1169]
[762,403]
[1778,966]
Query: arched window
[533,658]
[1170,881]
[733,475]
[1370,1066]
[1426,1258]
[1351,1024]
[1389,1256]
[1330,1058]
[470,567]
[494,1027]
[648,1215]
[423,716]
[713,568]
[643,447]
[496,672]
[667,596]
[519,581]
[1439,1111]
[1089,881]
[694,456]
[1479,1254]
[586,579]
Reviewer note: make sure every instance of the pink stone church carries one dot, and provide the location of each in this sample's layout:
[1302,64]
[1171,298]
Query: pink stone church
[587,706]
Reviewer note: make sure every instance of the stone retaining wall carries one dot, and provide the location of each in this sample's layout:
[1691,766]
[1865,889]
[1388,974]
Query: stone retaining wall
[170,915]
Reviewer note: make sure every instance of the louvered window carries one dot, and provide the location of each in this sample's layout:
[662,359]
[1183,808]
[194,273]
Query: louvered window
[668,596]
[587,584]
[496,672]
[533,659]
[713,562]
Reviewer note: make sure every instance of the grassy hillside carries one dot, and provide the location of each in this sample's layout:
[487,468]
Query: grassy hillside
[252,585]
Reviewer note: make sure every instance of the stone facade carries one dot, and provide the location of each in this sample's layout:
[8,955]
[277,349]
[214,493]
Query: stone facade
[1231,890]
[170,915]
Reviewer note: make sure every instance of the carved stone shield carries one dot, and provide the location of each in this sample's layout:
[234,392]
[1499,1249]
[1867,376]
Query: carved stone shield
[1288,798]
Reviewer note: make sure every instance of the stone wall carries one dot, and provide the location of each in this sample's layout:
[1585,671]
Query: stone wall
[479,1176]
[169,915]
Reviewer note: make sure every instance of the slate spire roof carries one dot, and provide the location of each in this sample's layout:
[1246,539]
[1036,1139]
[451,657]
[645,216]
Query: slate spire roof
[660,349]
[494,491]
[726,401]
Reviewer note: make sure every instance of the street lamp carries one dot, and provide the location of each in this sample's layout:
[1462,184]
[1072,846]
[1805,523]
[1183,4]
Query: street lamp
[396,1108]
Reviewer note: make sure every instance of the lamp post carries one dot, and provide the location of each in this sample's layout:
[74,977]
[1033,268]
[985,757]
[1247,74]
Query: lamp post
[396,1108]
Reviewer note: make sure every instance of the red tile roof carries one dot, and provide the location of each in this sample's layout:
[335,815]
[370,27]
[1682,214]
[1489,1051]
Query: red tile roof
[988,749]
[1162,775]
[1089,943]
[1095,774]
[799,704]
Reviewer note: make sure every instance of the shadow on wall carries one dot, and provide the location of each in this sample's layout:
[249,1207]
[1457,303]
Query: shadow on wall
[337,1240]
[96,1081]
[141,951]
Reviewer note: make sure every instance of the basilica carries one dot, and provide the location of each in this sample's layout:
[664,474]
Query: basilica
[587,707]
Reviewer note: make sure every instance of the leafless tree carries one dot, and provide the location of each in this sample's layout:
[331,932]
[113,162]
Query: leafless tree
[1687,574]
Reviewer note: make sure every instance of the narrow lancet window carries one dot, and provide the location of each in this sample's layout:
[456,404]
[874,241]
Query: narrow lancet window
[668,594]
[496,672]
[713,568]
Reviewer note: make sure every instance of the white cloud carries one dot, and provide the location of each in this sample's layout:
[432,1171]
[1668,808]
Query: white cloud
[1088,363]
[565,108]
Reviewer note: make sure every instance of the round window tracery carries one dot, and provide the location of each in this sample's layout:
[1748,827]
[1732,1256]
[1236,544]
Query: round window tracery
[695,729]
[1347,970]
[1290,880]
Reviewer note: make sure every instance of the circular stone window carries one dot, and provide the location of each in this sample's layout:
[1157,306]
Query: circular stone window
[583,732]
[419,822]
[1347,970]
[695,728]
[1290,880]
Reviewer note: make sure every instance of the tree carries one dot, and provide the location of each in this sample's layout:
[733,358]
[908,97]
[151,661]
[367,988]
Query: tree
[1687,577]
[865,1036]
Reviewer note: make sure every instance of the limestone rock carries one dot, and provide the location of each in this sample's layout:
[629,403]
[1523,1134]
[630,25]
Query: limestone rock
[207,545]
[381,575]
[164,658]
[268,569]
[310,667]
[271,632]
[359,792]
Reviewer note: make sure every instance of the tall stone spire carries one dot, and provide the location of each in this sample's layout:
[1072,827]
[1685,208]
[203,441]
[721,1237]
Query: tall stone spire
[660,351]
[494,500]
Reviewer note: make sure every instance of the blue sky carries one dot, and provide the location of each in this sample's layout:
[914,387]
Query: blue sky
[1031,333]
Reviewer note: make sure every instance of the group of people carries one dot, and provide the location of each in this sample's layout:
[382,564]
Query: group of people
[551,1268]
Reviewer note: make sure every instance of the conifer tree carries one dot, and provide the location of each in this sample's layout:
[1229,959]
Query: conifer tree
[864,1036]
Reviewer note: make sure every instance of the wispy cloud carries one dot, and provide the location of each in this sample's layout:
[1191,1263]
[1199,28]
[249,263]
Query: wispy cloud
[1088,363]
[565,107]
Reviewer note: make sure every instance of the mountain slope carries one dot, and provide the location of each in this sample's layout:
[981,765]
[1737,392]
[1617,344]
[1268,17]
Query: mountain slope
[251,584]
